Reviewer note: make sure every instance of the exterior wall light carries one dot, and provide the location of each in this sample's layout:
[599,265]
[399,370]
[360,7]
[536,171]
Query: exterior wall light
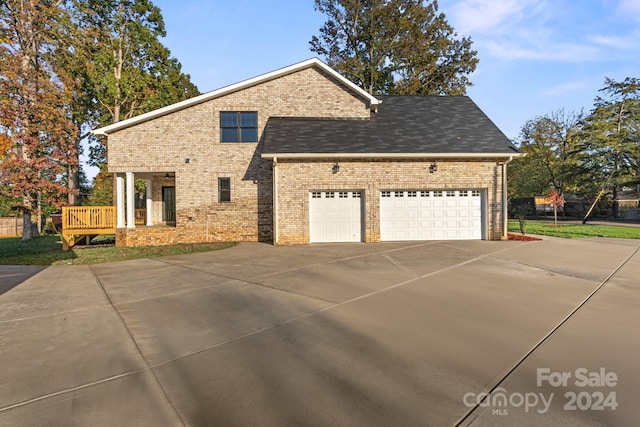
[433,168]
[336,168]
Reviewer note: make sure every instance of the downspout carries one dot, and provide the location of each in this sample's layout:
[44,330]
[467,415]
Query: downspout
[275,200]
[505,204]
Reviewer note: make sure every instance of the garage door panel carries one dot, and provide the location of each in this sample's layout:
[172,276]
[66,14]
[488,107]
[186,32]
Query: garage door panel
[335,216]
[429,215]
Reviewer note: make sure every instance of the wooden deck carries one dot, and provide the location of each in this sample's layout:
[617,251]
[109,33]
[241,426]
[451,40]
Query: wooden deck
[83,223]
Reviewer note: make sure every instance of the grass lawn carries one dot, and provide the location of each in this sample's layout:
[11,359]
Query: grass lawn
[47,250]
[547,228]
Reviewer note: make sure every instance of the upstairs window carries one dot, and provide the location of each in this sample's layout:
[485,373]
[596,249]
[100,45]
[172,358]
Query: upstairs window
[238,126]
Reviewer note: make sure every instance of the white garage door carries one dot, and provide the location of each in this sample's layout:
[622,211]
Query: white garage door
[335,216]
[430,215]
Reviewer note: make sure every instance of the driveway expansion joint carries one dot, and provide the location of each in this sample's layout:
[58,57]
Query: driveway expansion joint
[329,307]
[398,264]
[467,418]
[138,349]
[248,281]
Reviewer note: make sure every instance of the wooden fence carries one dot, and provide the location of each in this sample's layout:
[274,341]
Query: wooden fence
[10,227]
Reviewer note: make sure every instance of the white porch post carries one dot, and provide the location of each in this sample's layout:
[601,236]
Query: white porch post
[149,203]
[119,201]
[131,204]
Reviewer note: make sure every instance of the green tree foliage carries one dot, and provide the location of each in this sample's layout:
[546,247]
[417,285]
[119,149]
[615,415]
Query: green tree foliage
[67,66]
[550,143]
[568,152]
[101,193]
[124,67]
[611,139]
[35,129]
[394,46]
[6,206]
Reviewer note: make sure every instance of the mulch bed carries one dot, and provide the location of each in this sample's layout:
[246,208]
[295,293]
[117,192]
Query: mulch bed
[514,236]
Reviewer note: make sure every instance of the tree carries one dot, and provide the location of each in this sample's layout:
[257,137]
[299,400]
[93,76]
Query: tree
[6,206]
[125,69]
[102,192]
[551,146]
[556,200]
[394,46]
[610,137]
[34,126]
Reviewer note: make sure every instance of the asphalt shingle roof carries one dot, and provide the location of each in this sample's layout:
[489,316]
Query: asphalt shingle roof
[403,124]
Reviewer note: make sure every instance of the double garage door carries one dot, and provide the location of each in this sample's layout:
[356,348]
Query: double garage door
[336,216]
[430,215]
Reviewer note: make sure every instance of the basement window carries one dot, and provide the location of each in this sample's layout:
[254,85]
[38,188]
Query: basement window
[238,126]
[224,190]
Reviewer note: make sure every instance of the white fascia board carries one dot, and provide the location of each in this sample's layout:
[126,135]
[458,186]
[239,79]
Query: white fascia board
[233,88]
[436,156]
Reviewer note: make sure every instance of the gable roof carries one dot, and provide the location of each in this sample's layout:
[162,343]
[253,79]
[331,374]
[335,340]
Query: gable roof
[313,62]
[403,126]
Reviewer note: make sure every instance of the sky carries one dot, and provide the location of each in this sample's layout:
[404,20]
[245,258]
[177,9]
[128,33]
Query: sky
[536,56]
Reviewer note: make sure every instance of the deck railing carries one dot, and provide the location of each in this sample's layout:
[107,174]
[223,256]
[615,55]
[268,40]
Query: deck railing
[88,217]
[85,222]
[140,216]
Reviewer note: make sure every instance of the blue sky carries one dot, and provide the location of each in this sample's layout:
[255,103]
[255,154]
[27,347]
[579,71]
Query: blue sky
[536,56]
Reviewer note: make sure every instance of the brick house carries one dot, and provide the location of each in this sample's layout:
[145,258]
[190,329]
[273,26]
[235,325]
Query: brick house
[302,155]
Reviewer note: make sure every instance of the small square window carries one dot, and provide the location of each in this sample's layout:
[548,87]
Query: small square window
[437,194]
[329,195]
[386,194]
[475,193]
[357,195]
[316,195]
[399,193]
[424,193]
[224,190]
[343,194]
[411,194]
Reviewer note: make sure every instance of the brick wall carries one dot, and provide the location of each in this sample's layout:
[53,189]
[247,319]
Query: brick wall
[296,179]
[162,145]
[156,236]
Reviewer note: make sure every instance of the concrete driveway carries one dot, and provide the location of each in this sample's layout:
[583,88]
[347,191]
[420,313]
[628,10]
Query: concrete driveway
[433,333]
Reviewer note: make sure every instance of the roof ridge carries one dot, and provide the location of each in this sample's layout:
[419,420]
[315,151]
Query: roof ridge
[105,130]
[319,118]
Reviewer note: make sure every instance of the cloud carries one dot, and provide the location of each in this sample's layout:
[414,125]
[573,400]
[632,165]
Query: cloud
[476,16]
[543,30]
[550,52]
[565,88]
[618,42]
[628,6]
